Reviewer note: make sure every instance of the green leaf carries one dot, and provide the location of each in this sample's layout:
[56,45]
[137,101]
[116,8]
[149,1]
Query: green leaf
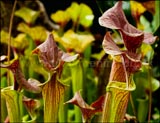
[3,81]
[3,72]
[86,16]
[36,67]
[72,40]
[37,33]
[74,11]
[142,83]
[5,37]
[146,24]
[27,14]
[61,17]
[98,56]
[156,22]
[14,103]
[81,14]
[156,115]
[19,42]
[31,46]
[155,84]
[147,51]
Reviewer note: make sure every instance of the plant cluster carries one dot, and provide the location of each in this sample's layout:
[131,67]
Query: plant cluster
[48,70]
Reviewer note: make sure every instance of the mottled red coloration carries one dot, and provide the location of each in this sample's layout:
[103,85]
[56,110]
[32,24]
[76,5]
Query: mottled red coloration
[88,111]
[110,46]
[114,18]
[131,60]
[127,62]
[29,85]
[31,105]
[131,63]
[50,55]
[52,59]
